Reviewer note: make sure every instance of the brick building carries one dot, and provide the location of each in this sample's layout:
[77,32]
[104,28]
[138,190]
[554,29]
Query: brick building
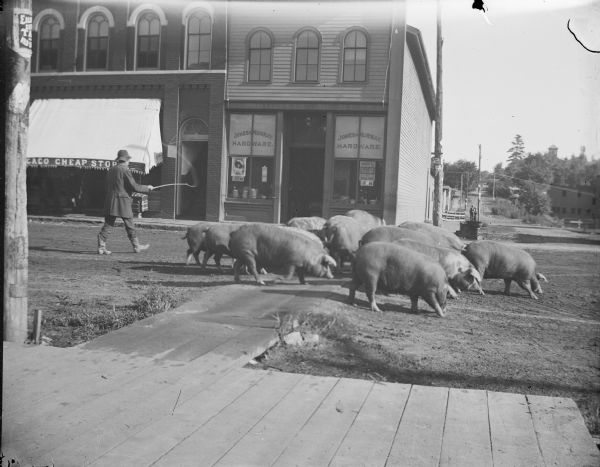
[295,108]
[577,204]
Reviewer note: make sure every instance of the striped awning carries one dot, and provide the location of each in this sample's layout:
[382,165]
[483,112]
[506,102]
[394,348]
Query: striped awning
[88,133]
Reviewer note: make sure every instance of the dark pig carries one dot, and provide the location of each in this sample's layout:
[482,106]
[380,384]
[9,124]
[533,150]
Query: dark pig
[393,268]
[274,246]
[495,260]
[439,235]
[216,240]
[195,237]
[461,274]
[342,237]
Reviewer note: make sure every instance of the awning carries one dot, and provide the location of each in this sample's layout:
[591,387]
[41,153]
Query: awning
[88,133]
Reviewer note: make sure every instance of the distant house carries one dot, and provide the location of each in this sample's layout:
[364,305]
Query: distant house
[577,203]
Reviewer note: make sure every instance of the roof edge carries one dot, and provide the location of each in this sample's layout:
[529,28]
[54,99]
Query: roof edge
[417,51]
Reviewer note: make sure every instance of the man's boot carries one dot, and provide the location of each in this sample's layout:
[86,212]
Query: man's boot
[102,247]
[137,247]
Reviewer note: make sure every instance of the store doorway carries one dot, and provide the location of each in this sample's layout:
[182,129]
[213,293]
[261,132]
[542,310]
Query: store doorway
[305,182]
[191,200]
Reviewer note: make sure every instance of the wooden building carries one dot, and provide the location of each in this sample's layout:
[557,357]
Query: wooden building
[270,110]
[328,108]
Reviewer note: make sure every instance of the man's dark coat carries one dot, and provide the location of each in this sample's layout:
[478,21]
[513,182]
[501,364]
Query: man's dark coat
[119,187]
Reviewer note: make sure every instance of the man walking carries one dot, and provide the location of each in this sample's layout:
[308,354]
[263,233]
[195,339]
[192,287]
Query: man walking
[117,203]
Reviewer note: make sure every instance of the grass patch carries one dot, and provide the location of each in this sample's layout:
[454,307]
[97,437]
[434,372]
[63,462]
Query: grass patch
[72,322]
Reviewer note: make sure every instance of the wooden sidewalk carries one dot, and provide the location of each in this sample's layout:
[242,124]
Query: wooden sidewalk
[109,409]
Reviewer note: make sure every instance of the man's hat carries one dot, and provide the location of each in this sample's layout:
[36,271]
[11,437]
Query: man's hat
[123,155]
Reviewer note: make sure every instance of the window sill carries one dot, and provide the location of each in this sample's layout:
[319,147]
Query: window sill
[249,200]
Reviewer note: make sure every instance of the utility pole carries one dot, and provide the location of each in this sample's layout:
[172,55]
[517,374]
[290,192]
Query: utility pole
[18,29]
[437,159]
[479,185]
[494,187]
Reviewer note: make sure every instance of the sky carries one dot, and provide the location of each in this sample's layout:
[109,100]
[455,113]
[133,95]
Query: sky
[524,73]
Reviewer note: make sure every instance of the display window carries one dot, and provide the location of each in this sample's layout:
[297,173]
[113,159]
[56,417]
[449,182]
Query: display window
[251,161]
[358,165]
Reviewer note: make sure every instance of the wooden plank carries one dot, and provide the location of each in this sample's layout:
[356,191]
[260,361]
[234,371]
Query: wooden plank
[320,438]
[50,425]
[514,442]
[371,436]
[209,441]
[161,436]
[561,432]
[466,439]
[268,438]
[419,438]
[109,432]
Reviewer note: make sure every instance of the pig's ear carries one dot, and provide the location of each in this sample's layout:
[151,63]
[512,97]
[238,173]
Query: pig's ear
[327,260]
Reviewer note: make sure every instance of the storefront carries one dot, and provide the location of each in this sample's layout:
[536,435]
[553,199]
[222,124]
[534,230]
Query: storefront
[73,142]
[301,163]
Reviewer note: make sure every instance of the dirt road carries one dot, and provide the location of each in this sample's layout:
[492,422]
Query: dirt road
[515,344]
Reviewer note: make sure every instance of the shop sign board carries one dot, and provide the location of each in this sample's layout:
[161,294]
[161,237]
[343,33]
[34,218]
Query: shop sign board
[97,164]
[252,135]
[359,137]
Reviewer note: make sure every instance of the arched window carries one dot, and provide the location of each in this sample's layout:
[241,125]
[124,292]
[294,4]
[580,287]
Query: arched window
[307,56]
[48,49]
[148,40]
[97,43]
[259,57]
[355,57]
[199,36]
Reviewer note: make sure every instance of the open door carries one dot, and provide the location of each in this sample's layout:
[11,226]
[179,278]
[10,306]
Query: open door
[191,200]
[305,182]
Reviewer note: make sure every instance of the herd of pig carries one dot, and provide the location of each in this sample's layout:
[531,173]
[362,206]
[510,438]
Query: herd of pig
[414,259]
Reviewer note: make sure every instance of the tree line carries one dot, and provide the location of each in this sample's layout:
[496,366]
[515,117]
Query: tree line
[526,175]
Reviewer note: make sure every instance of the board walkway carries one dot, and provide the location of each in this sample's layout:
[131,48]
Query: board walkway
[103,408]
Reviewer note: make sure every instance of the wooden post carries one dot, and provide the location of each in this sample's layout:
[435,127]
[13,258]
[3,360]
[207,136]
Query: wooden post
[37,327]
[438,164]
[479,185]
[18,19]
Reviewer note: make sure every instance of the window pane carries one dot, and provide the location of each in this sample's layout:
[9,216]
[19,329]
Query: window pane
[204,57]
[361,56]
[301,73]
[253,73]
[155,26]
[344,180]
[348,73]
[143,27]
[360,73]
[262,176]
[103,28]
[194,43]
[250,177]
[361,39]
[312,74]
[194,25]
[265,56]
[313,57]
[302,56]
[265,72]
[205,25]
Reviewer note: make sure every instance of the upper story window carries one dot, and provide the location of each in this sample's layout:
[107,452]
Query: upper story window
[199,37]
[97,43]
[148,40]
[307,56]
[259,57]
[355,57]
[49,34]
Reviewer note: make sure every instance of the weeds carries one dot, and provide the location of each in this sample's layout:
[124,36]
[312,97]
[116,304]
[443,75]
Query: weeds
[72,322]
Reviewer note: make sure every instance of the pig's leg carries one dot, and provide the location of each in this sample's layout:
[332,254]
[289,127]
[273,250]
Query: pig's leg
[354,284]
[218,261]
[190,255]
[414,303]
[433,303]
[291,269]
[197,257]
[338,262]
[452,292]
[207,255]
[301,275]
[370,288]
[507,286]
[236,270]
[251,263]
[536,287]
[526,286]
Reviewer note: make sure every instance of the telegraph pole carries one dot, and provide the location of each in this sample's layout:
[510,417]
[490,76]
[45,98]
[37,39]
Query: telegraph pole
[479,185]
[437,159]
[18,29]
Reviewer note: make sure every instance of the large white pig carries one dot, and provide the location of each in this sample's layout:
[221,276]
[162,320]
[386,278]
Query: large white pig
[461,273]
[496,260]
[393,268]
[365,218]
[272,246]
[439,235]
[390,233]
[342,237]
